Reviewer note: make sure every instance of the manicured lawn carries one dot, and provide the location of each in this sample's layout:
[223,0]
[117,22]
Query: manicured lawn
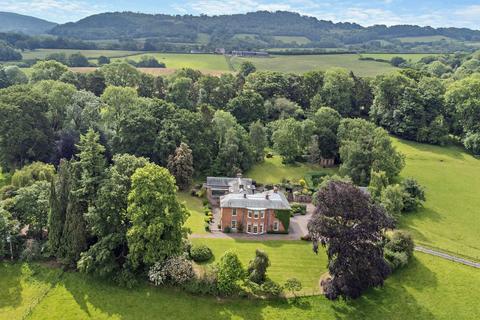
[196,220]
[304,63]
[429,288]
[272,170]
[450,219]
[288,258]
[42,53]
[202,62]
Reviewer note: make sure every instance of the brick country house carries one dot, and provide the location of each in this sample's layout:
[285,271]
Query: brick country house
[242,209]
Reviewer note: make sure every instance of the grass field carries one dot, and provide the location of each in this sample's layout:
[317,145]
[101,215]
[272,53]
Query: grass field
[304,63]
[450,219]
[291,39]
[429,288]
[423,39]
[411,57]
[272,170]
[196,220]
[288,258]
[91,54]
[195,61]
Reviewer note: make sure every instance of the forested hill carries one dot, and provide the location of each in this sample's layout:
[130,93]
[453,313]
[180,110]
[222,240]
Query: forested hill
[13,22]
[262,25]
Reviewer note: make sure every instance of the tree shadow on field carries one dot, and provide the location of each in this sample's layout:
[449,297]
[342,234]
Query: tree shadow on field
[393,301]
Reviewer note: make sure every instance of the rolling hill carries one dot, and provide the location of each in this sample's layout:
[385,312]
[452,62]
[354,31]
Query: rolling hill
[267,26]
[13,22]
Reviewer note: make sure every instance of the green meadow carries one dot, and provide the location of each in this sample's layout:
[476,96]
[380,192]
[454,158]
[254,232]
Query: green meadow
[450,218]
[305,63]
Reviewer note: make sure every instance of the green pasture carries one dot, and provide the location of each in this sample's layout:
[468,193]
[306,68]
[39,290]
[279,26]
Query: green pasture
[450,219]
[305,63]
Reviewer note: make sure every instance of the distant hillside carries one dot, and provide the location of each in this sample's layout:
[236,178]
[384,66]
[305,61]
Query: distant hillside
[13,22]
[263,26]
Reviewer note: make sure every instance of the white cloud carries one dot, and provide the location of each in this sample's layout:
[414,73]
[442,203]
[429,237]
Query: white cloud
[54,10]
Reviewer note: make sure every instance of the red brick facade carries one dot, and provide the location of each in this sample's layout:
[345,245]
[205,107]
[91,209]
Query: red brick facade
[250,221]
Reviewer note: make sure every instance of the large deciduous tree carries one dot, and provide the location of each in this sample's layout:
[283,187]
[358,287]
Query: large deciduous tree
[156,231]
[350,225]
[365,147]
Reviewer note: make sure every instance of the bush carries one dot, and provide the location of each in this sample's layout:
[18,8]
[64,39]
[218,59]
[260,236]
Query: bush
[299,208]
[229,273]
[173,271]
[206,284]
[293,285]
[414,195]
[271,288]
[227,229]
[200,253]
[207,227]
[257,269]
[399,249]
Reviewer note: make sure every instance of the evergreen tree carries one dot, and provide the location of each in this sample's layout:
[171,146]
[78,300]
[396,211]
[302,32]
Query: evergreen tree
[58,208]
[92,165]
[181,166]
[259,140]
[75,230]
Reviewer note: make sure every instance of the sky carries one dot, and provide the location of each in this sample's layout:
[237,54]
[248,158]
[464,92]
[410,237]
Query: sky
[435,13]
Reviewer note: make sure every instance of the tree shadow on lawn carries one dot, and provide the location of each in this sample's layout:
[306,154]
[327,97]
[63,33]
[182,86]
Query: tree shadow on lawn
[98,297]
[10,285]
[393,301]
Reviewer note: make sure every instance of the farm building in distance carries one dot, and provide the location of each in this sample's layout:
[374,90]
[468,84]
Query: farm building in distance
[262,54]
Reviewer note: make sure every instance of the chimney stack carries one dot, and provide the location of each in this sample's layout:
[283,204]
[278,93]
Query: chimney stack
[245,195]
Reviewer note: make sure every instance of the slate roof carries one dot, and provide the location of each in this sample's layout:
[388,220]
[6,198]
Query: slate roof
[276,200]
[225,183]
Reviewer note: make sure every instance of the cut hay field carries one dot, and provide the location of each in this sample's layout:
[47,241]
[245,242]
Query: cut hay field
[450,219]
[91,54]
[209,62]
[305,63]
[429,288]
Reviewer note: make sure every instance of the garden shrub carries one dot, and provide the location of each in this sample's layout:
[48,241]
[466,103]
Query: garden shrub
[200,253]
[271,288]
[207,227]
[227,229]
[257,269]
[229,273]
[298,208]
[207,284]
[173,271]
